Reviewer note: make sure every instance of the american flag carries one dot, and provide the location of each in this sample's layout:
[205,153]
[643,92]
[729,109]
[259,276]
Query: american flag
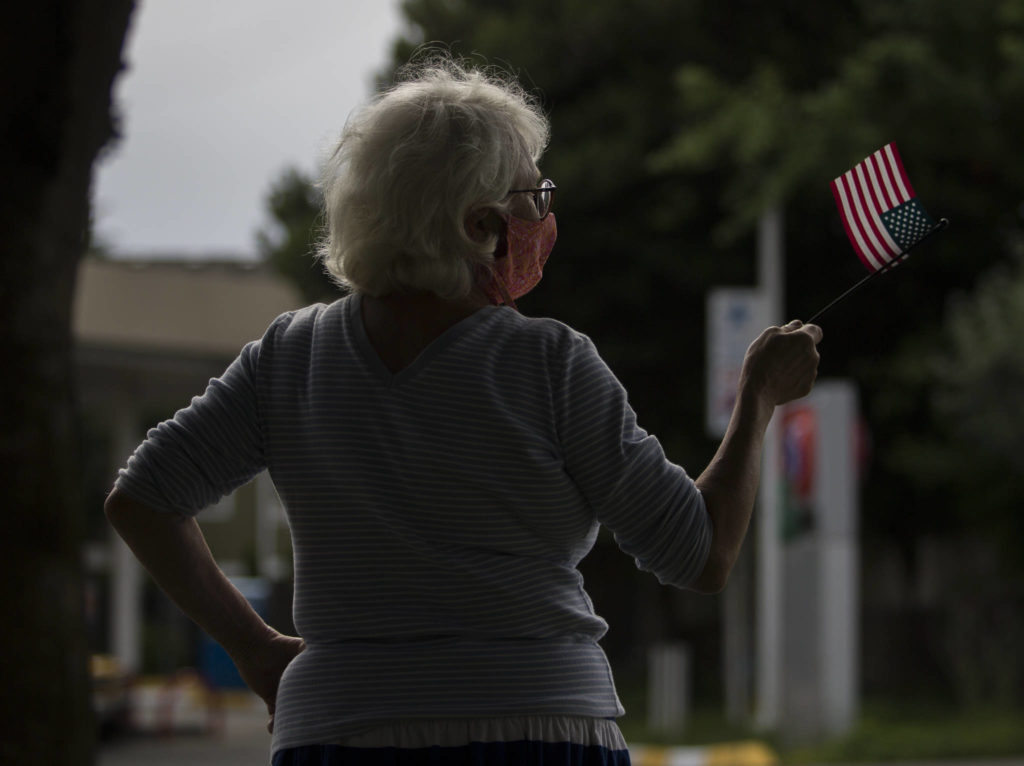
[879,208]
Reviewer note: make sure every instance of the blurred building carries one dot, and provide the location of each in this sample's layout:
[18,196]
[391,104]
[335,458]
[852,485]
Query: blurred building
[148,337]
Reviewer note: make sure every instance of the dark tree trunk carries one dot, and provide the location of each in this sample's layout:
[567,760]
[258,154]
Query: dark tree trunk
[58,60]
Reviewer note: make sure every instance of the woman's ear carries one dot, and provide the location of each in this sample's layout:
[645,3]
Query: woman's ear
[481,223]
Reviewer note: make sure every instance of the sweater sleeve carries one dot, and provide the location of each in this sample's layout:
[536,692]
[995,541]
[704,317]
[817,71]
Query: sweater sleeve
[652,506]
[206,450]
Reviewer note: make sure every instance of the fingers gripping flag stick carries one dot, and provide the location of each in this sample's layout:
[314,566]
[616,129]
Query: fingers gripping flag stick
[881,214]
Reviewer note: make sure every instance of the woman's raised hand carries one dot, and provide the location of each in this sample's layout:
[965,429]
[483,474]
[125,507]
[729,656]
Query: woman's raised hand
[782,364]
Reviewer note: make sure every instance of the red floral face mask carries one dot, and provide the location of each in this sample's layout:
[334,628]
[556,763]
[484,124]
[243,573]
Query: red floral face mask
[518,269]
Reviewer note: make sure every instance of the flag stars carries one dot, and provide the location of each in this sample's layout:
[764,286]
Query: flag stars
[906,223]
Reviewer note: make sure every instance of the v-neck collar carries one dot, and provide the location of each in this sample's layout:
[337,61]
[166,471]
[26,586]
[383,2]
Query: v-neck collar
[439,344]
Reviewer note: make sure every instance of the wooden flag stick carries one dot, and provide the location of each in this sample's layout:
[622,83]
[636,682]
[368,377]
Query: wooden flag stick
[942,224]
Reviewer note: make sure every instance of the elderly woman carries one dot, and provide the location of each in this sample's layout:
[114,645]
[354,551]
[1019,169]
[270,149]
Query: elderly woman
[444,462]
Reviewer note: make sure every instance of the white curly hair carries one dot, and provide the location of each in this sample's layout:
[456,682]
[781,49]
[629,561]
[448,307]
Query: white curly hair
[411,164]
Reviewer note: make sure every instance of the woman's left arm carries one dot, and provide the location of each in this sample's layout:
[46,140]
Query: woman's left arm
[172,548]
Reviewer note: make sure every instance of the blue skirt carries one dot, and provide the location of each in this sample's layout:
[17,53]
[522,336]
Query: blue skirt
[522,741]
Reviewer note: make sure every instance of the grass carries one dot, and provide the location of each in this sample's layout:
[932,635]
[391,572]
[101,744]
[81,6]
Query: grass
[884,732]
[888,733]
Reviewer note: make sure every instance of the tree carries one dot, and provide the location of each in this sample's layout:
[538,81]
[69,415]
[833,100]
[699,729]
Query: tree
[60,59]
[976,453]
[288,242]
[969,458]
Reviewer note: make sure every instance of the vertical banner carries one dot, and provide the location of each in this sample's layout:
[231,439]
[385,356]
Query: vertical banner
[799,470]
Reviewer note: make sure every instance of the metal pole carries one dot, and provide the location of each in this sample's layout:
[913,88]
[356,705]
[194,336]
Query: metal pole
[126,576]
[771,270]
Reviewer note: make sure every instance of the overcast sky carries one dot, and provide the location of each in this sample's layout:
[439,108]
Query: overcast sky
[218,98]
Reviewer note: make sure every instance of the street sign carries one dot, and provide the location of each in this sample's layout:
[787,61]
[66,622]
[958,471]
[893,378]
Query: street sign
[735,317]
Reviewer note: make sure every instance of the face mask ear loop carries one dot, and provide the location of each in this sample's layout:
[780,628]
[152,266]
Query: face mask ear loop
[505,296]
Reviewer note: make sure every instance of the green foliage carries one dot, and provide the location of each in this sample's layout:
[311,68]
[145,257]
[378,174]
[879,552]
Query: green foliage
[981,373]
[973,452]
[288,242]
[921,73]
[886,734]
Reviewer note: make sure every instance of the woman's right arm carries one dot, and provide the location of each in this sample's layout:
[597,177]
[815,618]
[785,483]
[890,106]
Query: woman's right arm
[781,365]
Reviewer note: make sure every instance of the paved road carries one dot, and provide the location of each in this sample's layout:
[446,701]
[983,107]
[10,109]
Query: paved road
[244,742]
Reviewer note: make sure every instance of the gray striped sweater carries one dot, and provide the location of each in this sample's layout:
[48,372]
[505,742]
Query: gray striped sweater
[437,514]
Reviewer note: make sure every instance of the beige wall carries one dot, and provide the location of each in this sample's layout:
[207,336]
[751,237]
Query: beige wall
[198,309]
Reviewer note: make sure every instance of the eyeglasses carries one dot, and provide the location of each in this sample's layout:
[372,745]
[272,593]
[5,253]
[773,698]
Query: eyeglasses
[543,196]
